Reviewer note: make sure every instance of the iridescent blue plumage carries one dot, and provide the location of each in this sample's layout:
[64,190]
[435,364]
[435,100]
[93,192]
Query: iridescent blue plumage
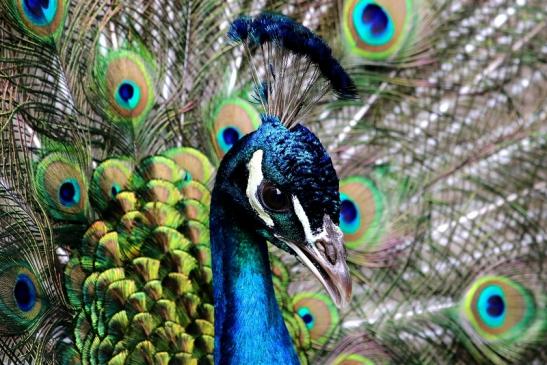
[293,161]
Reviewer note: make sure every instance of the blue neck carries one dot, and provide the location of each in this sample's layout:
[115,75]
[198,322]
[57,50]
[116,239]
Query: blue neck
[249,328]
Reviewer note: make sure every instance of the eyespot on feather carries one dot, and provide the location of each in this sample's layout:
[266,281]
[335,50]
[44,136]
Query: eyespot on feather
[232,119]
[318,313]
[197,191]
[62,187]
[158,168]
[125,83]
[110,178]
[195,164]
[21,298]
[379,29]
[42,18]
[361,211]
[498,308]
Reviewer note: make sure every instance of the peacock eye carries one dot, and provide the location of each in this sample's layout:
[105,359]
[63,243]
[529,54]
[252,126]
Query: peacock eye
[273,199]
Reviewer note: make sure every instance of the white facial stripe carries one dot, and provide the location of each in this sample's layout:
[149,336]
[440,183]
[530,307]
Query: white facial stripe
[255,179]
[301,214]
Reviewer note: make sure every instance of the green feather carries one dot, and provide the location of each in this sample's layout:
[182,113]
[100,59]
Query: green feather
[447,141]
[110,178]
[61,186]
[125,84]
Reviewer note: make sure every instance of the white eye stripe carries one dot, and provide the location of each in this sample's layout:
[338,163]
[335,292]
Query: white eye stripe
[303,218]
[255,180]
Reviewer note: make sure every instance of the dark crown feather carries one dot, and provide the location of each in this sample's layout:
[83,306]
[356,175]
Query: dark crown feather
[308,58]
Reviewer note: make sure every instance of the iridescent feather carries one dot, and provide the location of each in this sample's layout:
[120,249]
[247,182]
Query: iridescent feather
[114,117]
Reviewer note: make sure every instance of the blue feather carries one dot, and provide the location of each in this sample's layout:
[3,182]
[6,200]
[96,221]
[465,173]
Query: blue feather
[239,29]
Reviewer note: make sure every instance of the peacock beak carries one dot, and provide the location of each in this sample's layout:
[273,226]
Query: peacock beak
[325,256]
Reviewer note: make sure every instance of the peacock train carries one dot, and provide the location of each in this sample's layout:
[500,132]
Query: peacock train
[338,182]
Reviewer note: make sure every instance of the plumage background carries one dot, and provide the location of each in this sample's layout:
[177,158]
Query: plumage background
[441,161]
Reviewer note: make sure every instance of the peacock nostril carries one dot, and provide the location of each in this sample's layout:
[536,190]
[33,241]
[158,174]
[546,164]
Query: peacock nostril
[327,250]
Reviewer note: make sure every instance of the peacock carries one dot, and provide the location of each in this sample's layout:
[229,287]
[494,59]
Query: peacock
[342,182]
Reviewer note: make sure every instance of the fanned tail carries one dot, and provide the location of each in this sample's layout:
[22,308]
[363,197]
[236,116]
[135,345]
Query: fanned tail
[441,158]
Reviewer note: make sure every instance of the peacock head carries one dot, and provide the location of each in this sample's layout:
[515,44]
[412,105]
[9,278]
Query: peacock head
[281,185]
